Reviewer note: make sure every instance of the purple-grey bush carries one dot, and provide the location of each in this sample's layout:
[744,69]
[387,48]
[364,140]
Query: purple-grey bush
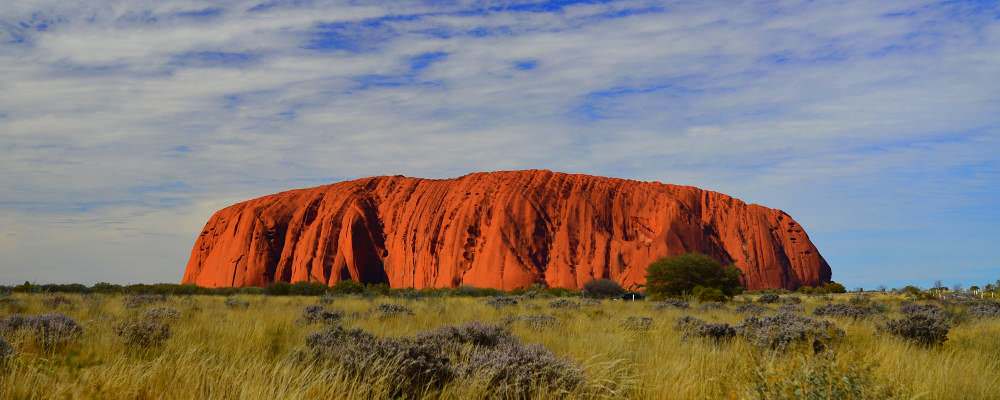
[671,303]
[318,314]
[694,327]
[926,328]
[389,310]
[784,331]
[501,301]
[140,300]
[49,330]
[751,309]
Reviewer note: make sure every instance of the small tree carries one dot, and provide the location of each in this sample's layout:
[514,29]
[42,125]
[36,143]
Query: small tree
[602,288]
[834,287]
[680,275]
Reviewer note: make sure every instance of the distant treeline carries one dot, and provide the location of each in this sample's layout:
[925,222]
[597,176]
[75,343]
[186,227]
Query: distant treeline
[319,289]
[280,289]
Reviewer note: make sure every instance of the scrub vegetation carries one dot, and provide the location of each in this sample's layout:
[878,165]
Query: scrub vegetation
[469,343]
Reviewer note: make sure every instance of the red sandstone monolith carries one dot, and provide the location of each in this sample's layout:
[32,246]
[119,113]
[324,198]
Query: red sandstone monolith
[500,230]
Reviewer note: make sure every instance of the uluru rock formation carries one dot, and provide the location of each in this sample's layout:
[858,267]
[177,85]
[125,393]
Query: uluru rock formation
[498,229]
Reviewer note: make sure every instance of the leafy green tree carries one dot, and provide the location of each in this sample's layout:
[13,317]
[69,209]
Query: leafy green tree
[679,275]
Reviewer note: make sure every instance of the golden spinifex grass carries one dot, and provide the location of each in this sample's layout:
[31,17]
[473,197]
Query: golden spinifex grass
[225,352]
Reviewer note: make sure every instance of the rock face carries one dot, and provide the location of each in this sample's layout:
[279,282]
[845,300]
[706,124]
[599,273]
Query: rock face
[501,229]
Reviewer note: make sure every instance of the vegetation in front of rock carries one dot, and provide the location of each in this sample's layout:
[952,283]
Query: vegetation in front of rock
[410,366]
[751,309]
[584,353]
[694,327]
[823,376]
[141,300]
[390,310]
[847,310]
[318,314]
[687,274]
[782,332]
[926,327]
[671,303]
[564,304]
[47,330]
[501,301]
[534,322]
[147,331]
[768,298]
[602,289]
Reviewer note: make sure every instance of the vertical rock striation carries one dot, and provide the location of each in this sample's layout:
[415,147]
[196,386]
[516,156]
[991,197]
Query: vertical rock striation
[499,229]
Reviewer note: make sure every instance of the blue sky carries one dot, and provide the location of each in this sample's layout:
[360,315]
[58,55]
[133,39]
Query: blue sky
[124,124]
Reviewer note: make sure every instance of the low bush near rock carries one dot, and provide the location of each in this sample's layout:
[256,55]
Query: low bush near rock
[389,310]
[535,322]
[564,304]
[318,314]
[845,310]
[143,332]
[497,357]
[515,370]
[602,289]
[751,309]
[712,306]
[927,328]
[165,314]
[791,308]
[48,330]
[671,303]
[487,353]
[784,331]
[474,333]
[694,327]
[141,300]
[791,300]
[768,298]
[501,301]
[410,367]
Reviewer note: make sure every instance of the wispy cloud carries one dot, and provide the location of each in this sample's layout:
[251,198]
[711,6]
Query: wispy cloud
[123,124]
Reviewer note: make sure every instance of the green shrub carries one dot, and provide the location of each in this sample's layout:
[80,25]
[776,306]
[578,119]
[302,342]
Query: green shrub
[278,289]
[602,288]
[680,275]
[307,289]
[348,286]
[472,291]
[708,294]
[827,288]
